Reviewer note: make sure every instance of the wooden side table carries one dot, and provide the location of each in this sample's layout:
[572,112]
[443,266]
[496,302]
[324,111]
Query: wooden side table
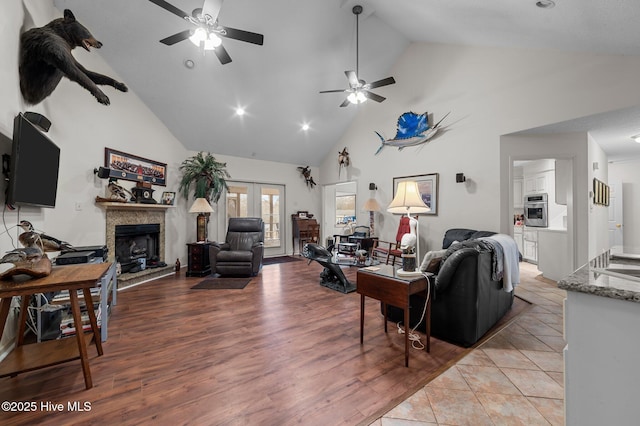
[199,264]
[382,283]
[40,355]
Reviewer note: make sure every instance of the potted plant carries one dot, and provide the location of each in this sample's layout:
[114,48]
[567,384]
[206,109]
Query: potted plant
[206,175]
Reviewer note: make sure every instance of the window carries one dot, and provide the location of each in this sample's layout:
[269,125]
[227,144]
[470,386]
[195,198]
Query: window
[345,208]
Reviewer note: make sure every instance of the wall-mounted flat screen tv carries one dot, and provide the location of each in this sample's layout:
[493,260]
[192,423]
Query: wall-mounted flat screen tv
[35,159]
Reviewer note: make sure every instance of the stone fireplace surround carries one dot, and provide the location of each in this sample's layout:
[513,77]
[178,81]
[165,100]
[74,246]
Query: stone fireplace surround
[135,214]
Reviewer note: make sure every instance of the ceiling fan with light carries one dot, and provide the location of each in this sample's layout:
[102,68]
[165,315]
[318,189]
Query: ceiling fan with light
[208,32]
[359,90]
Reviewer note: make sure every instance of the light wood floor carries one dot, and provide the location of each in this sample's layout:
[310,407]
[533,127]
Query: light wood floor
[282,351]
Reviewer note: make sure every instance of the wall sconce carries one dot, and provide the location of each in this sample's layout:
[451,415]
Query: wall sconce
[460,177]
[372,186]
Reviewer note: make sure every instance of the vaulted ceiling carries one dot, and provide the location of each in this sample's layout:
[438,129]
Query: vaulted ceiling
[308,44]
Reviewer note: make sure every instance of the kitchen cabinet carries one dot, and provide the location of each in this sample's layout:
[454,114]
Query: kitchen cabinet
[530,245]
[519,237]
[554,258]
[537,183]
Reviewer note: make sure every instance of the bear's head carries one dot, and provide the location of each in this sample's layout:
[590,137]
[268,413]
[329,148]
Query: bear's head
[76,33]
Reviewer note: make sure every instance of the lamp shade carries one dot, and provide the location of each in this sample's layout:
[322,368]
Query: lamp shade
[201,205]
[371,205]
[408,199]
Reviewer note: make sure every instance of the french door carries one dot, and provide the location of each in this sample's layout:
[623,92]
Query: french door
[251,199]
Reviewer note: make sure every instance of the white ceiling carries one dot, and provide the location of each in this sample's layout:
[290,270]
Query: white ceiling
[308,46]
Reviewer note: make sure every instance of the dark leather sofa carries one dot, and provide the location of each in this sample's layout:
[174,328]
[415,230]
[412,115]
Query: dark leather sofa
[243,249]
[467,301]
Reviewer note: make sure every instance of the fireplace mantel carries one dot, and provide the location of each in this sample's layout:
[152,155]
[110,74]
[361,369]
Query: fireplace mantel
[114,205]
[132,214]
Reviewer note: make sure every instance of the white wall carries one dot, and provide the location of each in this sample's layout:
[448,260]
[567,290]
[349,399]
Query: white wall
[598,214]
[627,173]
[490,92]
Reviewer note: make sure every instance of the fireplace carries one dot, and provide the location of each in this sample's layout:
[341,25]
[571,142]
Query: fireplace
[137,246]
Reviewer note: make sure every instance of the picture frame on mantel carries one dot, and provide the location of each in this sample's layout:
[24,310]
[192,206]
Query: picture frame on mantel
[428,187]
[134,168]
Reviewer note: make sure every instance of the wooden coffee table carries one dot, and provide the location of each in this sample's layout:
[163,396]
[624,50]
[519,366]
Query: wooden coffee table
[382,283]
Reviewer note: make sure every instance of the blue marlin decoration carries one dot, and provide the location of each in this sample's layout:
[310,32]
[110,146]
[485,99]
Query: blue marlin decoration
[413,129]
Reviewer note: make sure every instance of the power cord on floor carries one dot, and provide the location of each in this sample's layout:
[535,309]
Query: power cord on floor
[413,336]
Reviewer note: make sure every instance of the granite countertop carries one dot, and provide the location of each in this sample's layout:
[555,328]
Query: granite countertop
[595,278]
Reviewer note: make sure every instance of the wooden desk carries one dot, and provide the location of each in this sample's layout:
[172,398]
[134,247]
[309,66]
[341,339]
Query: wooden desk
[39,355]
[382,283]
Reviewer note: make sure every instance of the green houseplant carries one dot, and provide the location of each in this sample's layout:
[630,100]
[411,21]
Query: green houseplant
[206,175]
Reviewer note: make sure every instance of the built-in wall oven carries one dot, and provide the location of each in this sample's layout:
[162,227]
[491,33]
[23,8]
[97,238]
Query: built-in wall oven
[535,210]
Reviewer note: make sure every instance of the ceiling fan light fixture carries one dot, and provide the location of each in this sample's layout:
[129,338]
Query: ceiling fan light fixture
[214,39]
[356,97]
[198,36]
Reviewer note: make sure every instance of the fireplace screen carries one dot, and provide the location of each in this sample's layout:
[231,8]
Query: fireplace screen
[137,246]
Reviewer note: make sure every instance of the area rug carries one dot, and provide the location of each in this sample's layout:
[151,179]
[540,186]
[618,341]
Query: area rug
[222,284]
[280,259]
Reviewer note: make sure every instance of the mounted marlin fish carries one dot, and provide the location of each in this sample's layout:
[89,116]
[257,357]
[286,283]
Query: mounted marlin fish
[413,129]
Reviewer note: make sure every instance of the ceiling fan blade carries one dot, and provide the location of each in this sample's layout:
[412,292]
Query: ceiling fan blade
[384,82]
[333,91]
[242,35]
[212,8]
[353,78]
[170,8]
[182,35]
[345,103]
[373,96]
[222,54]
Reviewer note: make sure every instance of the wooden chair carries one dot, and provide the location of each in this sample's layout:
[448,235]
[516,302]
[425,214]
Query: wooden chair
[386,251]
[310,234]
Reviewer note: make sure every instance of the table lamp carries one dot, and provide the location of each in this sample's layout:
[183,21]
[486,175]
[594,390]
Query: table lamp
[372,206]
[203,208]
[409,201]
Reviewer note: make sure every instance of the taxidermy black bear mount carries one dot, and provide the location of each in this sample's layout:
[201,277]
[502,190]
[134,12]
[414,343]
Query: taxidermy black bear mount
[45,57]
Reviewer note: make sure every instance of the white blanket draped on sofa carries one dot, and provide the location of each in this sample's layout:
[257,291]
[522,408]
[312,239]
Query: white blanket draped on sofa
[511,265]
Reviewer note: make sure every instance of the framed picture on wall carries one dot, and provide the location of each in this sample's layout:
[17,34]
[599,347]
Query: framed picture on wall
[168,198]
[137,169]
[428,187]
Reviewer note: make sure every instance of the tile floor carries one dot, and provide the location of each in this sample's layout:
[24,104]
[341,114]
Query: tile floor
[515,378]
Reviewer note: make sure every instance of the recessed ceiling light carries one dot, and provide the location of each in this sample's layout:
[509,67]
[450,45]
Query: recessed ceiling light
[636,138]
[240,111]
[189,64]
[305,127]
[545,4]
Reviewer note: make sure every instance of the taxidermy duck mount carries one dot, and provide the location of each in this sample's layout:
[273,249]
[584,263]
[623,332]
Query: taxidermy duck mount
[413,129]
[306,173]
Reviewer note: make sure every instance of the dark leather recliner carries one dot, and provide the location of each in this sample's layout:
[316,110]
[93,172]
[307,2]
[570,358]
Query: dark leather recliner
[243,249]
[467,302]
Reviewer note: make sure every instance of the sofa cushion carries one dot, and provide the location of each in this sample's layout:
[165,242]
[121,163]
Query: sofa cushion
[234,256]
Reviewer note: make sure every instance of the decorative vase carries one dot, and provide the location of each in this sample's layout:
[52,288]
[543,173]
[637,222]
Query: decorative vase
[408,262]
